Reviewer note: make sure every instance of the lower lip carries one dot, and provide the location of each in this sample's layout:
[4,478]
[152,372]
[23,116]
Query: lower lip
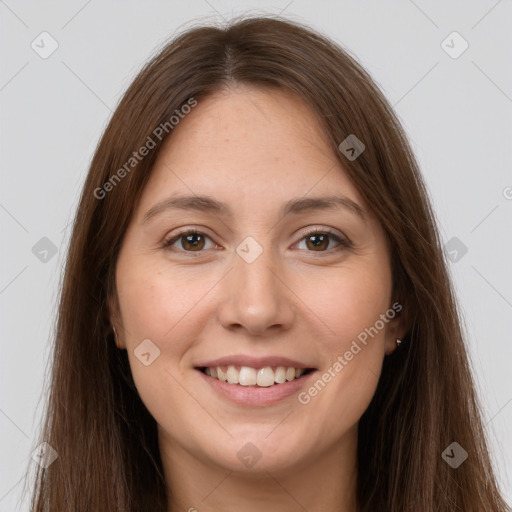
[257,395]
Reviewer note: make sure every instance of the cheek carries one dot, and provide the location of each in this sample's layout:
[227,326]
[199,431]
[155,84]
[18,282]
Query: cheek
[349,302]
[351,305]
[158,304]
[168,309]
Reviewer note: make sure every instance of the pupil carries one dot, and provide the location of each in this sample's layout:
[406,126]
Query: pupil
[191,242]
[320,239]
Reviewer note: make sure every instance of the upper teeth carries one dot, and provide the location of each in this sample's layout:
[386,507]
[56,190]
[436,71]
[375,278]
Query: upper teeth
[247,376]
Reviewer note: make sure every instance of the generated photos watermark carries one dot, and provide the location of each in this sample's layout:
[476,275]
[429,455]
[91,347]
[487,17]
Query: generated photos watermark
[305,397]
[159,133]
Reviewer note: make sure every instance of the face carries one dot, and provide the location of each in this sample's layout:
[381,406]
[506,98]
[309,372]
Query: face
[251,281]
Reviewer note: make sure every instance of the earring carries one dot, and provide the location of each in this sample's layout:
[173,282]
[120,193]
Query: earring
[398,341]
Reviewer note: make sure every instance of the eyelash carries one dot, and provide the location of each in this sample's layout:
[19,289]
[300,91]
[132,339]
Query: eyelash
[343,242]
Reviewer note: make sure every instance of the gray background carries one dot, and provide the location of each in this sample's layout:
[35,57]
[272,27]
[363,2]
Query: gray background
[456,111]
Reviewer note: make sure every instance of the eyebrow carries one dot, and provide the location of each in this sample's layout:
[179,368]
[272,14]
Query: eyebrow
[207,204]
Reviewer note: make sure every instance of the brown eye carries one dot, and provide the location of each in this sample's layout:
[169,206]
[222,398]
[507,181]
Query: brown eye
[188,241]
[319,241]
[193,241]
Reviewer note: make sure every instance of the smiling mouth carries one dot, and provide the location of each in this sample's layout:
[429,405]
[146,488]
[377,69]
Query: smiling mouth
[255,377]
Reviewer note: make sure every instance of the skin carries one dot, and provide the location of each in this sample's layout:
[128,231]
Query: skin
[254,149]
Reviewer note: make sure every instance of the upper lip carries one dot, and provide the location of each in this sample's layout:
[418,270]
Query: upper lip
[253,362]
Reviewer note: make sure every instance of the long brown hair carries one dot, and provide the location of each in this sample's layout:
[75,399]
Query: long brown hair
[106,440]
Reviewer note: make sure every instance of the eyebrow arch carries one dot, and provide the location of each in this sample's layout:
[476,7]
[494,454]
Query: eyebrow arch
[295,206]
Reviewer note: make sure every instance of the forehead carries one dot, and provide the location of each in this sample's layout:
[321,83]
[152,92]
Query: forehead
[248,145]
[249,123]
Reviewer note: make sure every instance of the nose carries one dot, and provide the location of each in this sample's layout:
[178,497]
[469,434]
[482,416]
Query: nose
[256,297]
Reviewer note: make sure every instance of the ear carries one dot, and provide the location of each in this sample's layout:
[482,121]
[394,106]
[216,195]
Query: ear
[115,322]
[397,328]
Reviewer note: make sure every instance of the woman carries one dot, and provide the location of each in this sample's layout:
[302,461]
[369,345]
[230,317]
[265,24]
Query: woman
[256,312]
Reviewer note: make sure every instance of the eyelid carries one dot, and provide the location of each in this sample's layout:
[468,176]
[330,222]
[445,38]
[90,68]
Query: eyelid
[322,230]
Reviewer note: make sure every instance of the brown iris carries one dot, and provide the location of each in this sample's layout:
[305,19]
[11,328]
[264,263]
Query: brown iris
[192,241]
[319,239]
